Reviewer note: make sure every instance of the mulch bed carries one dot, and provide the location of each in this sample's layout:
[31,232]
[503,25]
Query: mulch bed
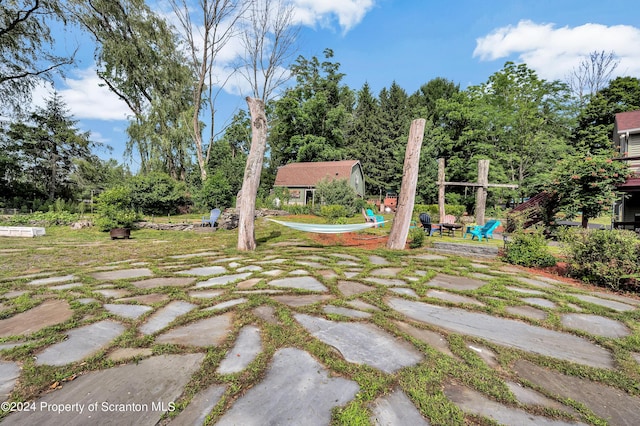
[352,239]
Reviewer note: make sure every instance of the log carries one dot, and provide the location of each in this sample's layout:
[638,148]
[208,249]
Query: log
[406,199]
[252,171]
[441,184]
[481,194]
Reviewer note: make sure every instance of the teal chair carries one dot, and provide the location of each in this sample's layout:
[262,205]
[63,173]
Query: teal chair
[485,230]
[378,217]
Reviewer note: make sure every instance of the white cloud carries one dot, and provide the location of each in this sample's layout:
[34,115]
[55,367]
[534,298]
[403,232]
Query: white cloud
[553,52]
[87,99]
[349,13]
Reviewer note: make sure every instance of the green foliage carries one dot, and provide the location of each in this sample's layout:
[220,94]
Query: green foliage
[455,209]
[311,119]
[114,209]
[586,185]
[416,237]
[138,57]
[337,192]
[45,149]
[297,209]
[595,120]
[216,192]
[602,257]
[157,193]
[528,249]
[50,218]
[334,213]
[26,50]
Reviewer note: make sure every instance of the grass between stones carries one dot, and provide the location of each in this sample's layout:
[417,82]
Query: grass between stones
[83,252]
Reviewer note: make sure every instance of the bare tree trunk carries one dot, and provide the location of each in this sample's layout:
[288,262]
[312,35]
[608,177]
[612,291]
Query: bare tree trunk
[400,227]
[481,194]
[441,211]
[252,171]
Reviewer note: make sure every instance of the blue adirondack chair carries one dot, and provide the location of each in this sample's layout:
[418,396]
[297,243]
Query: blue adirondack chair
[211,221]
[377,217]
[485,231]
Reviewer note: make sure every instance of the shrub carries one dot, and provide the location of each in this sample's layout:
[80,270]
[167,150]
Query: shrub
[113,209]
[337,192]
[216,192]
[603,257]
[333,213]
[416,238]
[529,249]
[157,193]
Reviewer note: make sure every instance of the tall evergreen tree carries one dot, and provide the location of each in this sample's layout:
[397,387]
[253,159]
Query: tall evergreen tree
[311,119]
[396,120]
[366,140]
[48,144]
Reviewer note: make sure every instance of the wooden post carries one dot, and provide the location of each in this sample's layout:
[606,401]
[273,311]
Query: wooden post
[252,172]
[406,199]
[481,195]
[441,212]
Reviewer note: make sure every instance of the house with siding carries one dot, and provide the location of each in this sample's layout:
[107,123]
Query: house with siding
[301,179]
[626,138]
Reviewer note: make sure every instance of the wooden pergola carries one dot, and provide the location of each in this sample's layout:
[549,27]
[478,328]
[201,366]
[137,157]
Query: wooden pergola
[482,184]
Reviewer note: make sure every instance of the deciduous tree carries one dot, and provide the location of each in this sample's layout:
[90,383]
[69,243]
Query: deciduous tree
[27,49]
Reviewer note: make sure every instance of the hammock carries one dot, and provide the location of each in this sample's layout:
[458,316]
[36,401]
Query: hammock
[327,229]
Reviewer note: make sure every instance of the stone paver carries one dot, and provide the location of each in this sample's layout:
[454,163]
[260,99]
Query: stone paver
[615,406]
[127,311]
[132,394]
[52,280]
[351,313]
[165,316]
[122,354]
[204,271]
[207,332]
[611,304]
[453,282]
[396,409]
[272,401]
[49,312]
[362,343]
[222,280]
[225,305]
[429,337]
[248,345]
[595,324]
[455,298]
[302,283]
[474,402]
[81,343]
[527,311]
[508,332]
[122,274]
[200,406]
[538,301]
[9,373]
[164,282]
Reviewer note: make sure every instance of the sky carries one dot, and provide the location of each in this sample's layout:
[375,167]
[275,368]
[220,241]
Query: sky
[409,42]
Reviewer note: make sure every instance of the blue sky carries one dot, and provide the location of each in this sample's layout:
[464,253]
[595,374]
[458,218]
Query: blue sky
[406,41]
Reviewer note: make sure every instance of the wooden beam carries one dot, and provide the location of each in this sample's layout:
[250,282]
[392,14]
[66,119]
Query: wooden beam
[481,193]
[406,199]
[441,184]
[476,184]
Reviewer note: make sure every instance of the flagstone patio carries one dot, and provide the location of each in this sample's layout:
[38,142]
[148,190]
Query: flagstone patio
[297,340]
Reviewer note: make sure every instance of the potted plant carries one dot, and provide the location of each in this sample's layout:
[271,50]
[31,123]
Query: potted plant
[114,212]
